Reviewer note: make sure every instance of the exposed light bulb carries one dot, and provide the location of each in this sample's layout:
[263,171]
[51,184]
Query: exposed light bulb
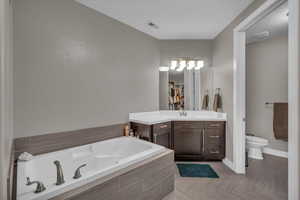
[191,64]
[174,64]
[200,64]
[179,69]
[182,64]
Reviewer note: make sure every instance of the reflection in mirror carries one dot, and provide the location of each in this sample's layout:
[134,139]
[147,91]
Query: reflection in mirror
[176,90]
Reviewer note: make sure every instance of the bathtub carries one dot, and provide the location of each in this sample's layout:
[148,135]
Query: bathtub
[102,158]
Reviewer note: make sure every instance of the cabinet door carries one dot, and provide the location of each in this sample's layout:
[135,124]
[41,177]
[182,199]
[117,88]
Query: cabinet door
[162,139]
[162,134]
[144,131]
[214,143]
[188,138]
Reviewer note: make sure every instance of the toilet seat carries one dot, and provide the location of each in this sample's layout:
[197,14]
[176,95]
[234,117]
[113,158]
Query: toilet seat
[258,140]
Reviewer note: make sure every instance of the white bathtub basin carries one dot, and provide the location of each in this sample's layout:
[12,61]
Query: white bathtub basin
[102,158]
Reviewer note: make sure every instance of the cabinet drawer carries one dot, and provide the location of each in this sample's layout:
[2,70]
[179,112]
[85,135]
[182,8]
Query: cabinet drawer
[183,125]
[215,124]
[214,152]
[214,144]
[162,128]
[214,133]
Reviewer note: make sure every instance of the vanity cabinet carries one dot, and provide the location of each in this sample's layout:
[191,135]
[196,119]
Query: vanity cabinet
[199,140]
[160,133]
[191,140]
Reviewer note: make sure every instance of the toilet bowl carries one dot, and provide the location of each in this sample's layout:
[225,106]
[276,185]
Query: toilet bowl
[255,147]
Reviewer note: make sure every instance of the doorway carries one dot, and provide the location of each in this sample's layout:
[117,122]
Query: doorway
[239,110]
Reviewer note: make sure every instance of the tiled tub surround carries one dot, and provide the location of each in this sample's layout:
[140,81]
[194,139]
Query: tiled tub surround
[106,161]
[57,141]
[156,117]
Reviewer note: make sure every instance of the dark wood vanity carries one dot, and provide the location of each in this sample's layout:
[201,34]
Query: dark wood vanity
[160,133]
[191,140]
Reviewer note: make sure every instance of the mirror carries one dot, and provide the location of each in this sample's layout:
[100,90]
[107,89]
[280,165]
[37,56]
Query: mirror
[184,85]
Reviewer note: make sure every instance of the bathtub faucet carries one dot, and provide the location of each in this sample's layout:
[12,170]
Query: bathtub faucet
[60,176]
[77,172]
[39,187]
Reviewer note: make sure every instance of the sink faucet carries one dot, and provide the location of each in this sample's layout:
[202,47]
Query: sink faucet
[39,187]
[182,113]
[60,176]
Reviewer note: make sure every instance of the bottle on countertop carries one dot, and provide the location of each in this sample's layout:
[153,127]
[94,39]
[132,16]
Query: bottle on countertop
[126,130]
[131,133]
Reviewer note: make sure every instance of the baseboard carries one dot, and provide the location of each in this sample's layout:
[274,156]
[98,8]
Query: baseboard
[228,163]
[275,152]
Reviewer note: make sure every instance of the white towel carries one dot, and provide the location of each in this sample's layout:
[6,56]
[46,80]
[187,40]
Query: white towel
[25,156]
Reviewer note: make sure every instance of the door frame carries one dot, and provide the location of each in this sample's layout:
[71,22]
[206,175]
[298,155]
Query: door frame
[239,91]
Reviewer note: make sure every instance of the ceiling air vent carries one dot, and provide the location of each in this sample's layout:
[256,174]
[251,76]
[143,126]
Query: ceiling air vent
[262,35]
[151,24]
[258,37]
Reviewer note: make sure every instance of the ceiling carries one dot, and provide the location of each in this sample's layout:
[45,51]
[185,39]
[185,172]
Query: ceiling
[274,24]
[176,19]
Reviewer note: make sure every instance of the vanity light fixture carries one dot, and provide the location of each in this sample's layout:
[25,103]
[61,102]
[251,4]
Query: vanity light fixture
[200,64]
[180,64]
[163,69]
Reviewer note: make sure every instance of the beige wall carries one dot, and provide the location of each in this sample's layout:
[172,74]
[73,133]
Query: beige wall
[76,68]
[6,95]
[267,81]
[170,49]
[223,70]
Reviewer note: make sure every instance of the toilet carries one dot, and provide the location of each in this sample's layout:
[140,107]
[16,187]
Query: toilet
[255,147]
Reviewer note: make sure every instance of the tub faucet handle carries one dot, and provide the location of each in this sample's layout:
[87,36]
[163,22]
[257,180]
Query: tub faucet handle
[39,187]
[77,172]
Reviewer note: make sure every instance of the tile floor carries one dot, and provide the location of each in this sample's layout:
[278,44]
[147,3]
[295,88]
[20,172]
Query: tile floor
[265,180]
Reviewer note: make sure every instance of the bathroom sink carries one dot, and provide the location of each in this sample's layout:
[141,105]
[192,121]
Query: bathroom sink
[165,116]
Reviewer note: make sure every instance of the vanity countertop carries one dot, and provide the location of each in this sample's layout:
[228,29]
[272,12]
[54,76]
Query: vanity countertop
[149,118]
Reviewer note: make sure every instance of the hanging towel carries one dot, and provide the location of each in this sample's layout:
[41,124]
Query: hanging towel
[217,106]
[205,102]
[280,121]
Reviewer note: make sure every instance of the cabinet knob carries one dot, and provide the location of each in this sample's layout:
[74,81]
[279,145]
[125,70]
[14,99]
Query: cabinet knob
[214,136]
